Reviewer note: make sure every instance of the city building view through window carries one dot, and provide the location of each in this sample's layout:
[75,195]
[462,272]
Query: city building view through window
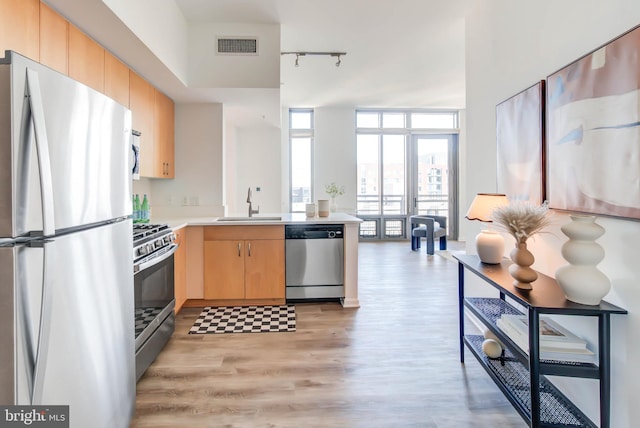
[404,168]
[300,158]
[406,165]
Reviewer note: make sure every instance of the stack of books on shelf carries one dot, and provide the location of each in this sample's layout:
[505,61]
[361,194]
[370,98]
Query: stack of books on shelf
[556,343]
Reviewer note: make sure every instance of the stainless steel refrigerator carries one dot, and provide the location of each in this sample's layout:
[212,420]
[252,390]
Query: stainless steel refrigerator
[66,273]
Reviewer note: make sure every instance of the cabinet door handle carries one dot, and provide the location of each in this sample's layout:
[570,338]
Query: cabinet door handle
[249,244]
[239,249]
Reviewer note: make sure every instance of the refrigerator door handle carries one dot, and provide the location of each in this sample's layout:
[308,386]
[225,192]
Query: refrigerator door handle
[42,147]
[43,334]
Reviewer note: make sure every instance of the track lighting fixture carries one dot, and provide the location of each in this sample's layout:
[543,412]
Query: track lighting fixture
[330,54]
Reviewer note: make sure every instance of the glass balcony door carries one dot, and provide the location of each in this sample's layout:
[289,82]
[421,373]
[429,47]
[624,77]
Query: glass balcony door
[434,177]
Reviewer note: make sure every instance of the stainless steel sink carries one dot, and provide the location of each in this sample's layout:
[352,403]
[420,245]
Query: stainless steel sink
[249,218]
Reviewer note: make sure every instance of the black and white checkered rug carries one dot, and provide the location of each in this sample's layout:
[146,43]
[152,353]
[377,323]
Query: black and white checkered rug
[249,319]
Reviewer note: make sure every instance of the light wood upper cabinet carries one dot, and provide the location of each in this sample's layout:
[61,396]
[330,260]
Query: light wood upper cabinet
[35,30]
[142,105]
[153,115]
[165,134]
[244,263]
[86,59]
[116,79]
[180,269]
[54,40]
[20,27]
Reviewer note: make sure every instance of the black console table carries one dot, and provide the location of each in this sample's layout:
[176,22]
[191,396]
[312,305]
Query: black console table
[521,377]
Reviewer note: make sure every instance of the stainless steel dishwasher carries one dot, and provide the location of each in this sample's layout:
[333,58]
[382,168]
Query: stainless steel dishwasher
[314,257]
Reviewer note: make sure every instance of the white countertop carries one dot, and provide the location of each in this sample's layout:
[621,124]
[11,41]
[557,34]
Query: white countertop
[286,218]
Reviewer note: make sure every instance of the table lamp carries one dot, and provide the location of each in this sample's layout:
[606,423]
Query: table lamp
[489,243]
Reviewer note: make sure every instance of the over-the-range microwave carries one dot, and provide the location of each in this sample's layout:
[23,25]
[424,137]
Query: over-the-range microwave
[135,158]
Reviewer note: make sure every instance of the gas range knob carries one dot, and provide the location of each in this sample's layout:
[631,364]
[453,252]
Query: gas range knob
[149,248]
[158,243]
[169,238]
[141,251]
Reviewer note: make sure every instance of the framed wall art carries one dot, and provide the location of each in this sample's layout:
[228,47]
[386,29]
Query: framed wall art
[520,141]
[593,131]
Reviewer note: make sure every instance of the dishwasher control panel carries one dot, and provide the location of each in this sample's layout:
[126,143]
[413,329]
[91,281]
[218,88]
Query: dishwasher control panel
[314,231]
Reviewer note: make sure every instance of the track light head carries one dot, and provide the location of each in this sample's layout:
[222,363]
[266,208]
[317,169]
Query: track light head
[301,53]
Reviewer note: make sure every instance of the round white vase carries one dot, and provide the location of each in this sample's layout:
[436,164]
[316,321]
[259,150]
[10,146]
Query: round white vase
[581,281]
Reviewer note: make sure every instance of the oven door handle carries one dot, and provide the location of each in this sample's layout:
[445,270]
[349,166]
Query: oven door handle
[156,260]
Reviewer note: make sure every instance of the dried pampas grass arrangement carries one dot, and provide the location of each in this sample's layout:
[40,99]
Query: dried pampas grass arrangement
[521,219]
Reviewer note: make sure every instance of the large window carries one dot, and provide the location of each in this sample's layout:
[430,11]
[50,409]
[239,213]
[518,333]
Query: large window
[404,161]
[300,158]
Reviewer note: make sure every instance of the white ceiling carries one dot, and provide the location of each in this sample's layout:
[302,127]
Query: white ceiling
[400,54]
[405,53]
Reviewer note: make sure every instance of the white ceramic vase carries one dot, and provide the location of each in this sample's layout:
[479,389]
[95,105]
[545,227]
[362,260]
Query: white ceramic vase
[581,281]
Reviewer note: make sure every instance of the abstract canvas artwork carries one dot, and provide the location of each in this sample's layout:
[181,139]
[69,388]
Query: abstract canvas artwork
[593,131]
[520,134]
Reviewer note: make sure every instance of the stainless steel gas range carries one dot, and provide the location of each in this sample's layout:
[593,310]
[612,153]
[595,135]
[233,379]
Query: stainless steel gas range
[154,291]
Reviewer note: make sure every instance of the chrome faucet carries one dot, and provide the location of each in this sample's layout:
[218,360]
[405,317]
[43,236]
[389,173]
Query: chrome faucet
[251,210]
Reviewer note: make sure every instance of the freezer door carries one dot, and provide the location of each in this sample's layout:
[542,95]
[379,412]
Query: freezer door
[79,341]
[67,144]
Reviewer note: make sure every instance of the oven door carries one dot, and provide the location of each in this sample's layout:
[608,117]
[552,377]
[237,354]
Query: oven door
[154,295]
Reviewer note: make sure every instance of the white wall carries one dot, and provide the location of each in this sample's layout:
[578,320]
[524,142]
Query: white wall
[229,150]
[257,165]
[510,46]
[209,70]
[335,154]
[197,188]
[165,33]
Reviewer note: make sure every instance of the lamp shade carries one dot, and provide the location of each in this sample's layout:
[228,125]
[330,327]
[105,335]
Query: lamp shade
[484,204]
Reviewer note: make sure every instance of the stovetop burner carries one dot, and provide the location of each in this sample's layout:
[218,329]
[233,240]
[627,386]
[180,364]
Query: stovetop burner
[150,240]
[143,232]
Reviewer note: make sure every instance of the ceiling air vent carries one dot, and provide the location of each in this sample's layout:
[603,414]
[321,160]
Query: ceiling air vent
[237,45]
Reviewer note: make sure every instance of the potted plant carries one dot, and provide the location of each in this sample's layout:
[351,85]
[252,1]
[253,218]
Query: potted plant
[334,191]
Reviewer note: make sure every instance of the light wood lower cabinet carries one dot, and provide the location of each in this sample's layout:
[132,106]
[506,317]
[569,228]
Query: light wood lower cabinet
[264,269]
[180,269]
[244,263]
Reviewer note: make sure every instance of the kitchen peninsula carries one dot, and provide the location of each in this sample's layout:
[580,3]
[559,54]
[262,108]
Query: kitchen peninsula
[205,241]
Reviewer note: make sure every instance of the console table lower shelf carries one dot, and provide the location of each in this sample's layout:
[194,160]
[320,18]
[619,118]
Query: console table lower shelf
[513,378]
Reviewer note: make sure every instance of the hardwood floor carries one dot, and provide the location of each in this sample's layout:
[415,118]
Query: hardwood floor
[393,362]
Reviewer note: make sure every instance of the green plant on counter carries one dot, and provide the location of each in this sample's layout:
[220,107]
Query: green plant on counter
[333,190]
